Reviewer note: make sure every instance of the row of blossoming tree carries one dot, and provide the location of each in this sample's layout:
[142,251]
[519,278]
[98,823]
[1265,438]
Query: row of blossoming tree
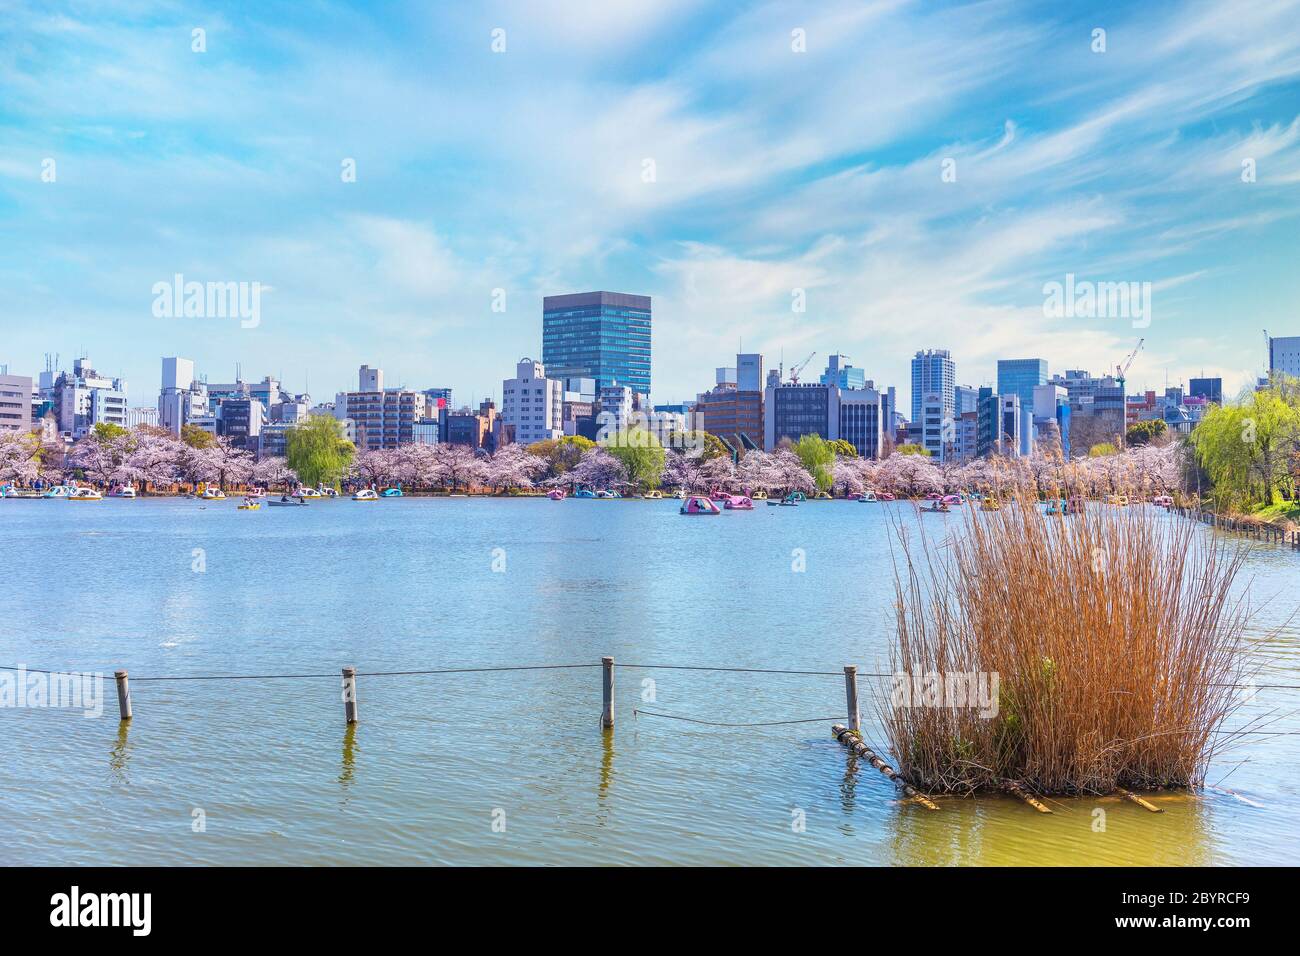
[155,459]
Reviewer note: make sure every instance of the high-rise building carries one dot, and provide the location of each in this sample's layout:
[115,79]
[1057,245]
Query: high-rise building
[749,372]
[1210,389]
[1284,355]
[182,398]
[816,408]
[1021,377]
[15,403]
[1052,404]
[381,417]
[839,372]
[599,335]
[965,398]
[733,410]
[532,404]
[988,431]
[860,415]
[82,399]
[933,373]
[239,421]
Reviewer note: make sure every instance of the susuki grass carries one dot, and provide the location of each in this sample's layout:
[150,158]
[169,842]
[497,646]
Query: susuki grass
[1113,635]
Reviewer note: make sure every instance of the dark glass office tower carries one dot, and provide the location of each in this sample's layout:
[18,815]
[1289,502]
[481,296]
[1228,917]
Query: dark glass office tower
[600,335]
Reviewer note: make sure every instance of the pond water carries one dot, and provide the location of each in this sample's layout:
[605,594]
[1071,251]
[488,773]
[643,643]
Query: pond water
[511,766]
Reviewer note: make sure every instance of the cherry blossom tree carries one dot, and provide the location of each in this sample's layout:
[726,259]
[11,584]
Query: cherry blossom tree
[377,466]
[682,470]
[457,465]
[20,455]
[598,469]
[513,467]
[154,458]
[272,472]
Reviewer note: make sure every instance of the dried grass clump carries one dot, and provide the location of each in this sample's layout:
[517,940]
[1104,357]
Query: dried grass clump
[1114,635]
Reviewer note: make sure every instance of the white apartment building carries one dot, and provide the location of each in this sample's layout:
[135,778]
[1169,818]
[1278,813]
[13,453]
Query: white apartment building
[533,404]
[83,398]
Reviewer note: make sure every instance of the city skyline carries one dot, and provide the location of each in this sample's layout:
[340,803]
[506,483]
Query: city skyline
[683,179]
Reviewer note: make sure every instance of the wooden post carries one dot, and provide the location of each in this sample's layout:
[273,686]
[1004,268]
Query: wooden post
[851,696]
[123,695]
[350,694]
[607,692]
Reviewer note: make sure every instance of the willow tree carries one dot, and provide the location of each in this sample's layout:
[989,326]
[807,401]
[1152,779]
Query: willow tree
[818,457]
[1245,447]
[640,453]
[318,450]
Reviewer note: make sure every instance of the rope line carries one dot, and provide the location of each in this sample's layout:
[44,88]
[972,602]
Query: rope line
[538,667]
[715,723]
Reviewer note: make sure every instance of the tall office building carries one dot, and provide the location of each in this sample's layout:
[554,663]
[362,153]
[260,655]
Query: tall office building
[856,415]
[840,372]
[183,398]
[1284,355]
[599,335]
[1021,377]
[1210,389]
[933,373]
[733,410]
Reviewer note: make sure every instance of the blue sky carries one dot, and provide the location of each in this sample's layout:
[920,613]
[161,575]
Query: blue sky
[523,170]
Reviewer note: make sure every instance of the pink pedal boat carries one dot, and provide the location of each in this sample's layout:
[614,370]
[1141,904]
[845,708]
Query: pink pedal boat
[699,505]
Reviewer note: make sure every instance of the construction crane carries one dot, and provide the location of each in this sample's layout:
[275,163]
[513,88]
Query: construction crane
[794,372]
[1120,371]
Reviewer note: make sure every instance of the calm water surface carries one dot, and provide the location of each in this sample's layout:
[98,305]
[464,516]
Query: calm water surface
[409,584]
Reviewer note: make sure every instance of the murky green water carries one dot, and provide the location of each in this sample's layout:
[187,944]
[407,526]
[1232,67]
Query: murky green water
[274,776]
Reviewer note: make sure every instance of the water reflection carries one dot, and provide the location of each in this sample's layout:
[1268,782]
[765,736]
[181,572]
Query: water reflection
[349,765]
[606,767]
[120,755]
[1001,831]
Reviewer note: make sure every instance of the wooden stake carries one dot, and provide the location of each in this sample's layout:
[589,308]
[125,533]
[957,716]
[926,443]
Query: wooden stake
[607,692]
[1133,797]
[123,695]
[851,740]
[851,696]
[1014,788]
[350,694]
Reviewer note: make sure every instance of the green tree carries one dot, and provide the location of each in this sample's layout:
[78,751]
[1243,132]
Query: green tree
[105,432]
[1102,449]
[1141,433]
[640,454]
[1245,447]
[562,454]
[196,437]
[817,456]
[911,448]
[318,450]
[844,449]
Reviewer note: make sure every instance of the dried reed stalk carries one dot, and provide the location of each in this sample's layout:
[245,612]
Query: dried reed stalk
[1114,634]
